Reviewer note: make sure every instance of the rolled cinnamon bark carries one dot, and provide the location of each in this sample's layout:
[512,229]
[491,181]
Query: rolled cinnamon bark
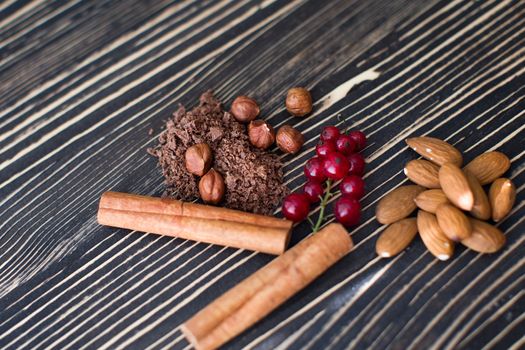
[266,289]
[133,202]
[268,240]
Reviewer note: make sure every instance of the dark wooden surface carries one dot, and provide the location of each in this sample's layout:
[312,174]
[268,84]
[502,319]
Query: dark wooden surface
[82,82]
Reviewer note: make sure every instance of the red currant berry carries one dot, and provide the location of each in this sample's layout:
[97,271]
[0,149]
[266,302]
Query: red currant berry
[296,207]
[347,211]
[335,166]
[330,133]
[357,164]
[359,139]
[345,144]
[314,190]
[352,186]
[313,170]
[325,147]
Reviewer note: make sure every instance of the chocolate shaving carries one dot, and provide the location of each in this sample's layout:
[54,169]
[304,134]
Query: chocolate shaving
[253,178]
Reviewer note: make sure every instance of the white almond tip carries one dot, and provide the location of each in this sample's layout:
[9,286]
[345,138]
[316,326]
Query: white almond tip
[443,257]
[465,201]
[385,254]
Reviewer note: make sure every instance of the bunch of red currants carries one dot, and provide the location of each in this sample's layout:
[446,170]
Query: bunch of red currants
[337,158]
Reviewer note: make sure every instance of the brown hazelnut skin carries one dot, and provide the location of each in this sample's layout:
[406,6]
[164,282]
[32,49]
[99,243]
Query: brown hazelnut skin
[289,140]
[198,159]
[244,109]
[211,187]
[299,101]
[261,134]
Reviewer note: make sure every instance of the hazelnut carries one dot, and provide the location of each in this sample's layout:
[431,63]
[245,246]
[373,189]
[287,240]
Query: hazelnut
[261,134]
[289,139]
[211,187]
[245,109]
[198,159]
[299,101]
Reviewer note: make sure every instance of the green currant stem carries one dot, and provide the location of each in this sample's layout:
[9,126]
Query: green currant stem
[324,202]
[310,221]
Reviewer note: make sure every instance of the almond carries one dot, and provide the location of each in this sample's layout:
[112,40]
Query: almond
[481,209]
[485,238]
[456,187]
[423,173]
[396,237]
[398,204]
[433,237]
[502,195]
[453,222]
[431,199]
[435,150]
[488,166]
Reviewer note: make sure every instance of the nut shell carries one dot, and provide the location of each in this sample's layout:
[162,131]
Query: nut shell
[198,159]
[244,109]
[456,186]
[299,101]
[397,204]
[396,237]
[261,134]
[488,166]
[485,238]
[289,140]
[435,150]
[433,237]
[502,195]
[481,209]
[423,173]
[453,222]
[430,200]
[211,187]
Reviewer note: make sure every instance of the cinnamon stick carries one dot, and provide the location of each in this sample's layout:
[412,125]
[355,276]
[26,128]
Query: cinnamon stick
[269,240]
[133,202]
[266,289]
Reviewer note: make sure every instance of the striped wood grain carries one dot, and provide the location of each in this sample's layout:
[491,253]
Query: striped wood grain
[82,83]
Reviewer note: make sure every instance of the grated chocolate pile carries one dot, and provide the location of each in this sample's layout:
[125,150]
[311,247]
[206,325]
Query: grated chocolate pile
[253,178]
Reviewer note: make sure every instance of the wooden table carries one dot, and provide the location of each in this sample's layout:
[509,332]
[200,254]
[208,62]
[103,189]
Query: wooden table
[82,83]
